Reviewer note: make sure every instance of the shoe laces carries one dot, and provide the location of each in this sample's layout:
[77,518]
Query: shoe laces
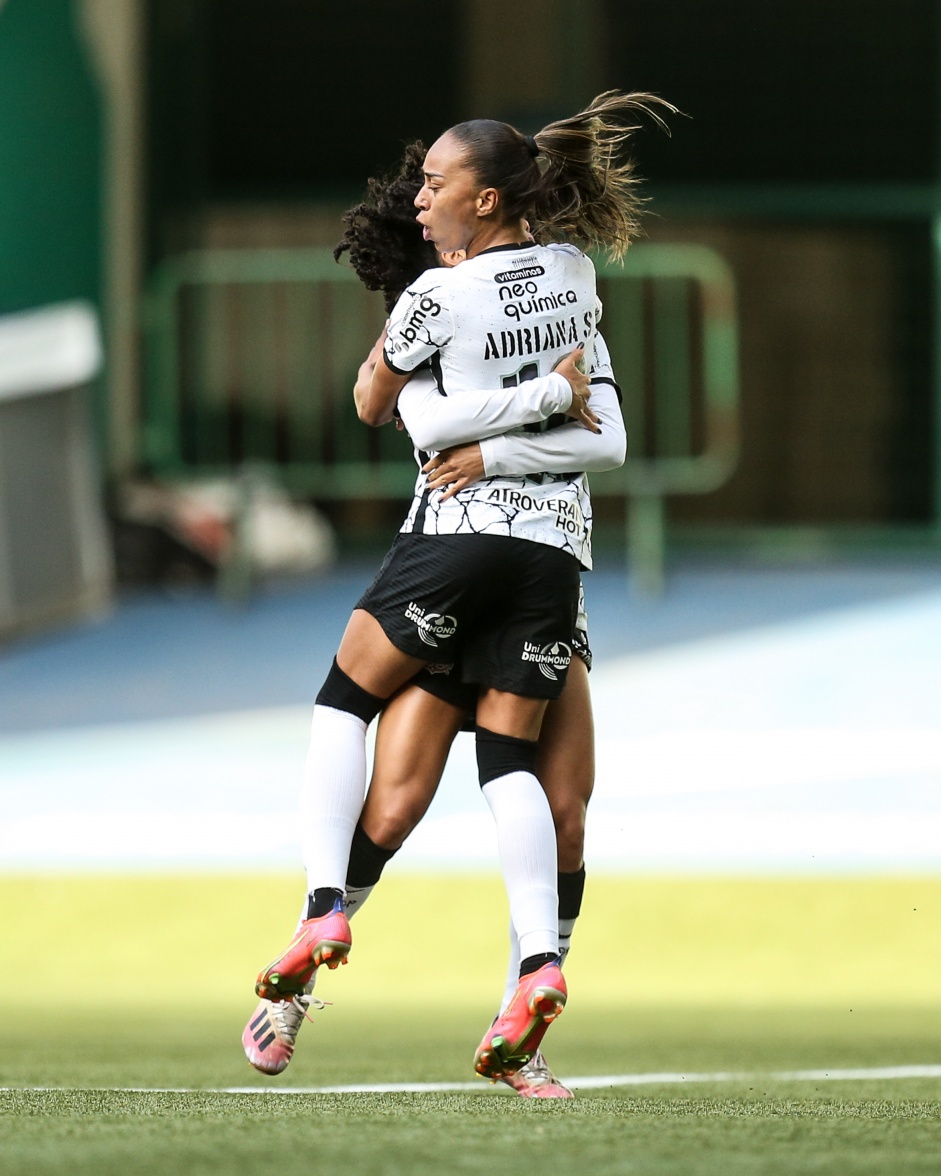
[288,1014]
[537,1071]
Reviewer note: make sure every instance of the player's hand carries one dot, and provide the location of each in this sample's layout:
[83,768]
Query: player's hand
[578,410]
[455,468]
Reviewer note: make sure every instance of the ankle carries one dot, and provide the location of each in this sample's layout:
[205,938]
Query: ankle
[534,962]
[322,901]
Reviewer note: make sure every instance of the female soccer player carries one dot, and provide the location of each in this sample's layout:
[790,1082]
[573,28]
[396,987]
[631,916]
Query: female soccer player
[418,726]
[490,566]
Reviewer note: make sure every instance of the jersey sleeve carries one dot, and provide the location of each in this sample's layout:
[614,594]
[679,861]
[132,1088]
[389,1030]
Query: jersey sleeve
[601,371]
[435,422]
[421,323]
[569,447]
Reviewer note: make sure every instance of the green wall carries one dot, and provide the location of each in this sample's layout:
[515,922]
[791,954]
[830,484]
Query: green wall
[50,158]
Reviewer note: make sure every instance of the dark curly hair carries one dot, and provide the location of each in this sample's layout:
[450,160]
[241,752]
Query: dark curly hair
[382,237]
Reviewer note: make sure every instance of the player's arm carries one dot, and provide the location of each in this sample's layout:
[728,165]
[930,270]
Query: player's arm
[556,451]
[436,422]
[420,324]
[568,447]
[560,450]
[377,387]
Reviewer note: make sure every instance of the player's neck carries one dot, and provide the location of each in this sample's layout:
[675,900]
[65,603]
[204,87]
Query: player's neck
[494,236]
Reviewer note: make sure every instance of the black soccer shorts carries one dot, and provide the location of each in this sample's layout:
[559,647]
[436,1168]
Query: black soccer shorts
[444,680]
[504,608]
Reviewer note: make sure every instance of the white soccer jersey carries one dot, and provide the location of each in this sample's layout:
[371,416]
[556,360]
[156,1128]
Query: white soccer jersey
[500,319]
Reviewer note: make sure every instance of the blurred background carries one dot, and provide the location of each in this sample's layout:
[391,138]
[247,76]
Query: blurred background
[188,507]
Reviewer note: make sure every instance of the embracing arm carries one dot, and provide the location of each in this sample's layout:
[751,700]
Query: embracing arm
[436,422]
[562,450]
[377,387]
[569,447]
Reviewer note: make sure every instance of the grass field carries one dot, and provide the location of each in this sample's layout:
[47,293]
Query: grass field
[113,984]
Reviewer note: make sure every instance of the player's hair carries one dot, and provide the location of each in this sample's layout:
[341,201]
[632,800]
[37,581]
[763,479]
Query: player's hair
[572,179]
[384,241]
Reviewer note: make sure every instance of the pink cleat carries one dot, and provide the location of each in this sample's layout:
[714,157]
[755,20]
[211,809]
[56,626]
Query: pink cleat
[326,940]
[270,1034]
[536,1080]
[515,1036]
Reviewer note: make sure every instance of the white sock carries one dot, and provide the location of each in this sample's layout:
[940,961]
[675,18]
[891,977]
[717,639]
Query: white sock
[332,795]
[528,857]
[512,969]
[566,927]
[355,897]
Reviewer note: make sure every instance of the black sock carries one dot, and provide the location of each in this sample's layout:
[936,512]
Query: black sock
[534,962]
[322,901]
[571,889]
[367,859]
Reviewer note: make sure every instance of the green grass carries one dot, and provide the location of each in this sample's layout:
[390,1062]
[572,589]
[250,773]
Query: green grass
[146,982]
[386,1134]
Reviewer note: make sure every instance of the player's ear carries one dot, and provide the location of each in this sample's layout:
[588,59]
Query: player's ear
[487,201]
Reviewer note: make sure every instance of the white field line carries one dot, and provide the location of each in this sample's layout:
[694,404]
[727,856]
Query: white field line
[590,1082]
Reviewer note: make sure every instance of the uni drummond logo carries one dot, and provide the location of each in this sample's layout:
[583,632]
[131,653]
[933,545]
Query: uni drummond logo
[431,626]
[549,658]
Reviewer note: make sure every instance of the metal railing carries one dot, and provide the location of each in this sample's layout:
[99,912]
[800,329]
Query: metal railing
[252,356]
[671,325]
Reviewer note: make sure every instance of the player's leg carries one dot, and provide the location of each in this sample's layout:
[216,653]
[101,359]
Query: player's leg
[507,740]
[521,659]
[415,733]
[413,739]
[565,766]
[367,670]
[526,843]
[406,618]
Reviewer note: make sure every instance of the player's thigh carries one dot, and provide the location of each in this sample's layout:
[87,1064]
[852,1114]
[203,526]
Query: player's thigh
[368,657]
[413,739]
[510,714]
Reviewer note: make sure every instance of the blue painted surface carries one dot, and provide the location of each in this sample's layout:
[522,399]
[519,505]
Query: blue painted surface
[754,719]
[160,656]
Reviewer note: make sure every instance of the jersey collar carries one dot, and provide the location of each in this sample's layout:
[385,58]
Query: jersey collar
[505,248]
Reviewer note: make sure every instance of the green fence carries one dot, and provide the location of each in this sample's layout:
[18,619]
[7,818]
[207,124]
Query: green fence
[252,356]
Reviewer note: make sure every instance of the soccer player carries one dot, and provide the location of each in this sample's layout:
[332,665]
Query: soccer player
[489,564]
[417,727]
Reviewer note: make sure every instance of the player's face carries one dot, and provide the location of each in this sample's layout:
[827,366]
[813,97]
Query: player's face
[448,199]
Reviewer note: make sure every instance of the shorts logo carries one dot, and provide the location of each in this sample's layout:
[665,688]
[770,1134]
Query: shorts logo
[554,656]
[439,668]
[431,626]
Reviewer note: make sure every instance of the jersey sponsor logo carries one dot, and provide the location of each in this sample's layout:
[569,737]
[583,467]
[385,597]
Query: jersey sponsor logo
[520,275]
[568,517]
[538,338]
[430,626]
[523,298]
[550,658]
[424,309]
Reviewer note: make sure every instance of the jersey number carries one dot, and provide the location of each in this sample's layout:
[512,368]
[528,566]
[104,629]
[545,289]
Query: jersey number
[529,372]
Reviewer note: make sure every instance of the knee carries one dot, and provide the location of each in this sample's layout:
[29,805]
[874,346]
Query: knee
[390,823]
